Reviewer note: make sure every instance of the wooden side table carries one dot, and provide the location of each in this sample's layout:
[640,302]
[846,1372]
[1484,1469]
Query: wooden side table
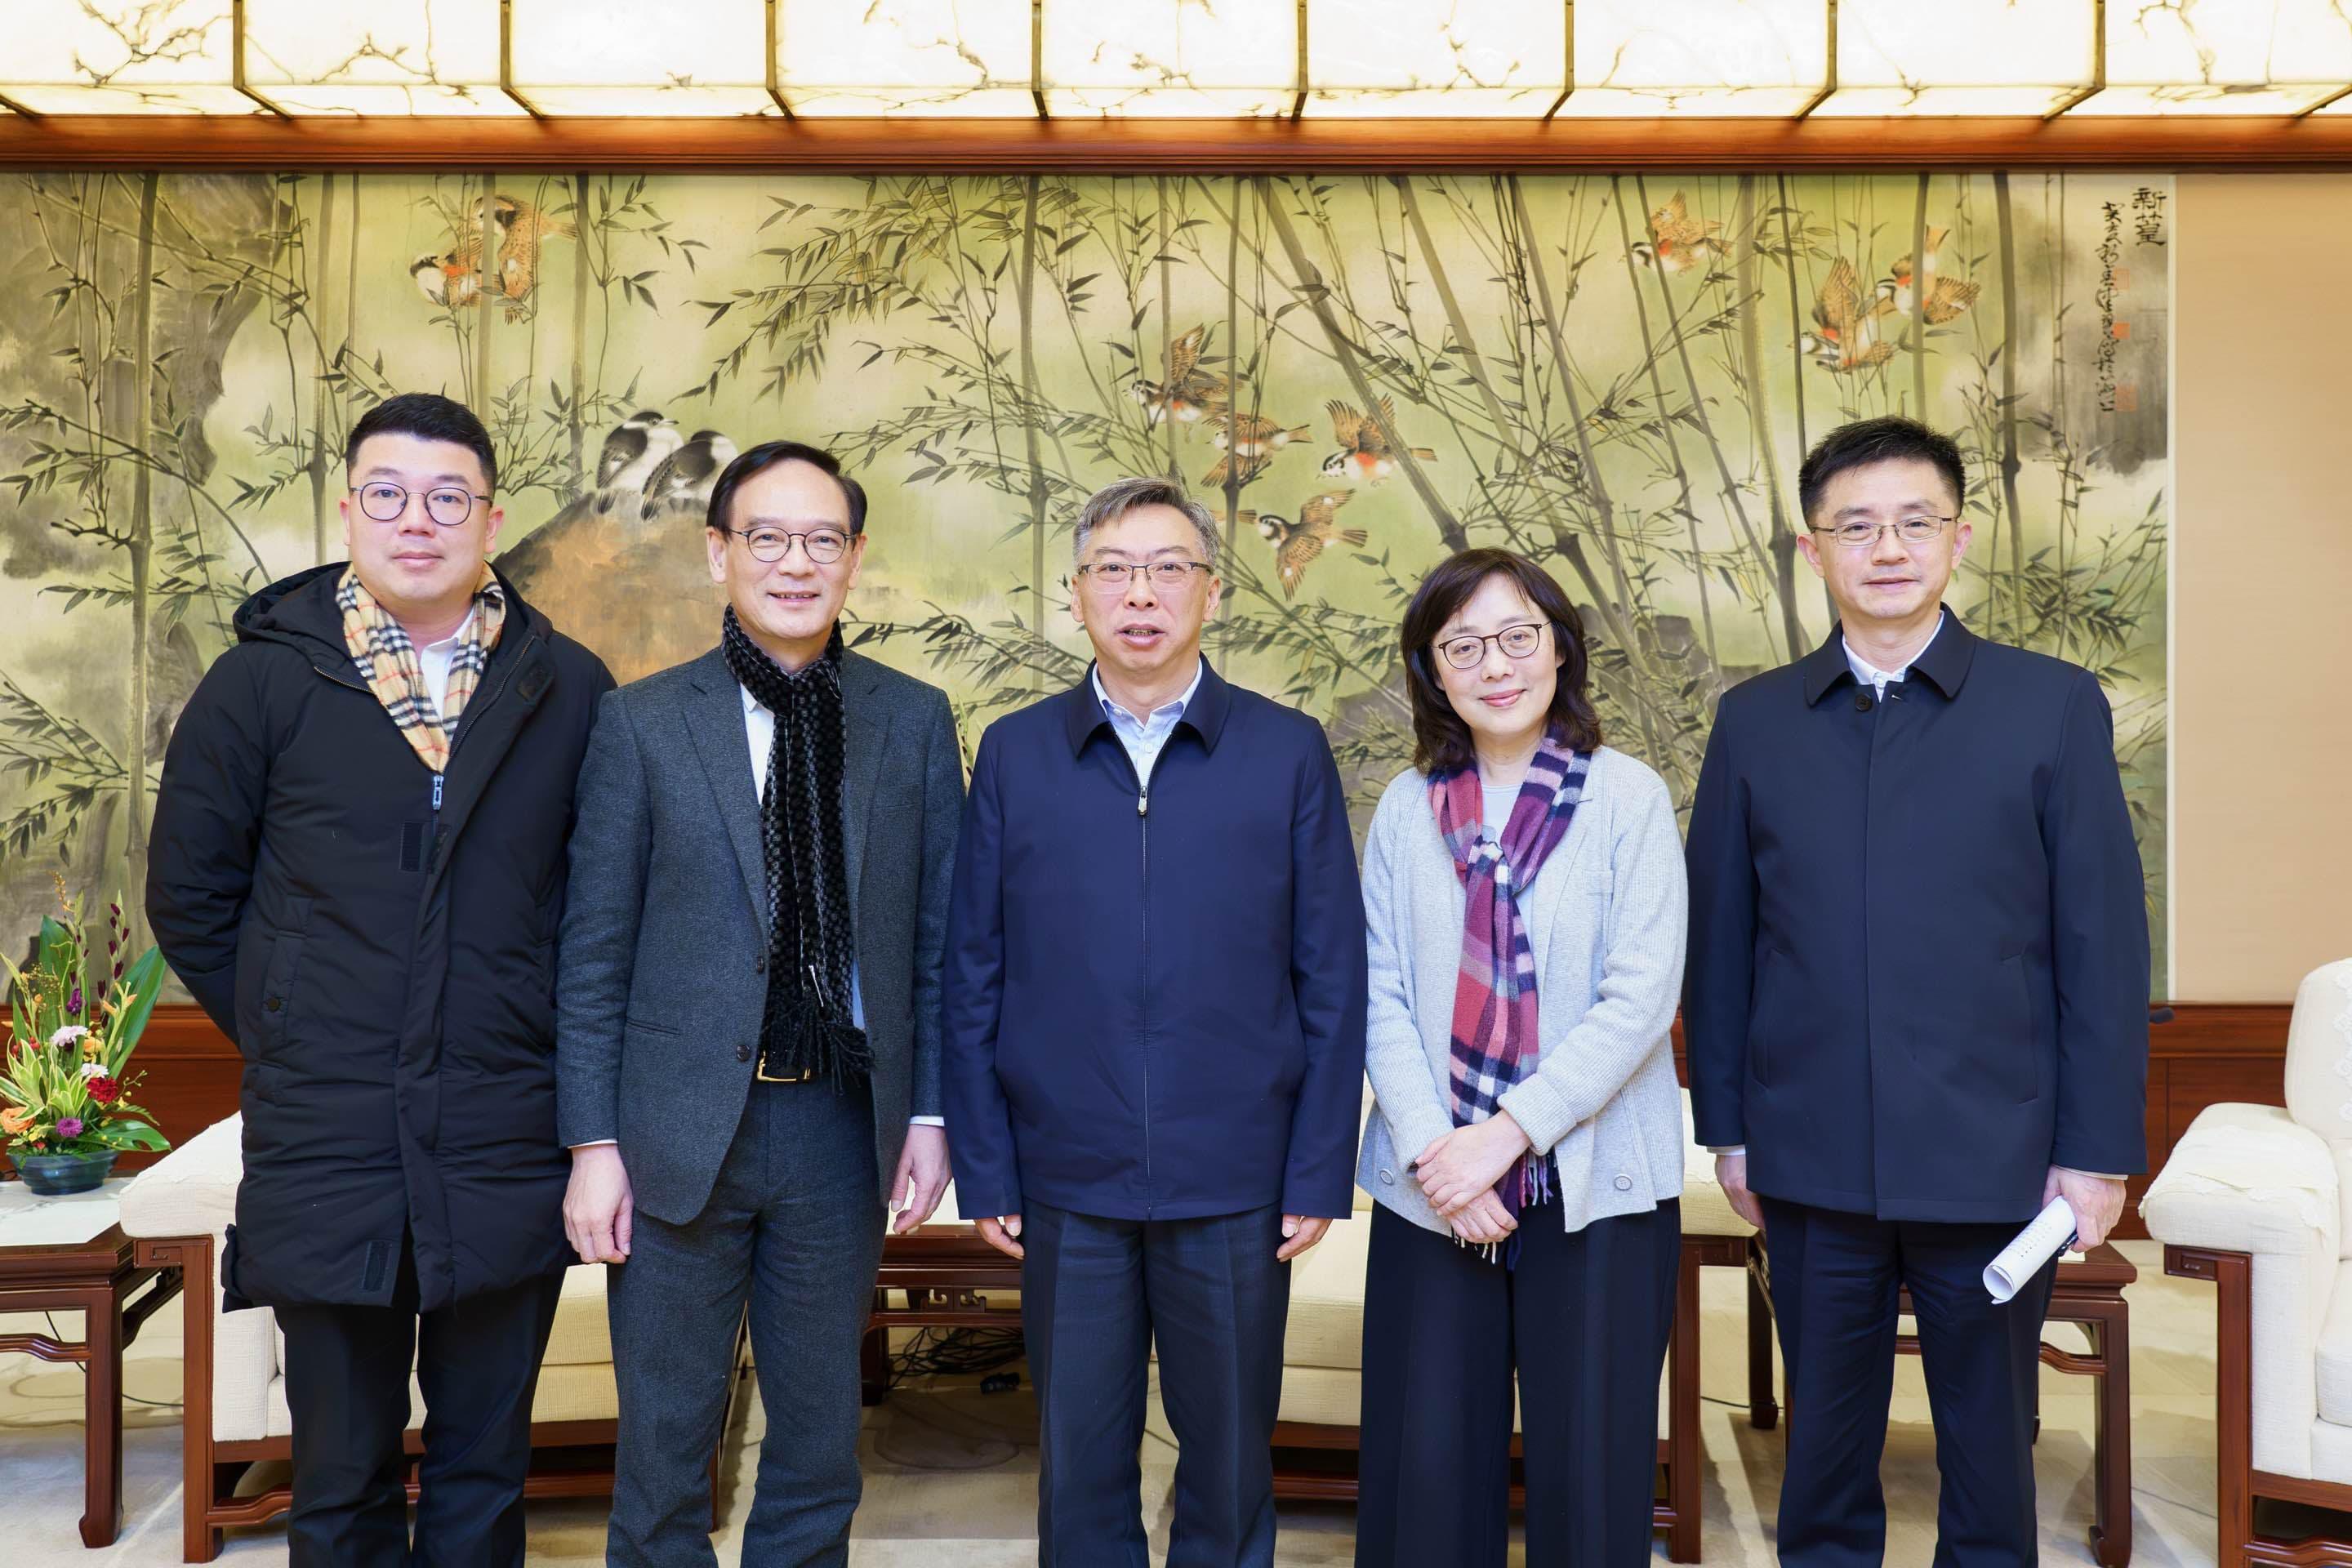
[99,1279]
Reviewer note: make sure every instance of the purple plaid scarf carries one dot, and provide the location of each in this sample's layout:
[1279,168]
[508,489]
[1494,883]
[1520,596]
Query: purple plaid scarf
[1495,1041]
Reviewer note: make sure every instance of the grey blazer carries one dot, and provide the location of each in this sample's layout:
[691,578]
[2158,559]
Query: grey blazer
[1606,920]
[660,974]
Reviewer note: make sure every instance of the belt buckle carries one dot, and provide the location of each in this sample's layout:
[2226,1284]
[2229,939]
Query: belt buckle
[759,1070]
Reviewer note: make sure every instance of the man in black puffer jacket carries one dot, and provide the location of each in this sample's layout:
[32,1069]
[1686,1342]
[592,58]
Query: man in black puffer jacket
[358,869]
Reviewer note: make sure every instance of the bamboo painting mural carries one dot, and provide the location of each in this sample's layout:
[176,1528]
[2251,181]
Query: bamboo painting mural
[1616,375]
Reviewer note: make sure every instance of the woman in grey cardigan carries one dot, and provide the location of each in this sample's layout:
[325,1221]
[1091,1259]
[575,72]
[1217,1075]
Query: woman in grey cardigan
[1523,887]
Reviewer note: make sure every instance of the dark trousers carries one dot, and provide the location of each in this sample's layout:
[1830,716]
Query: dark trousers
[1095,1295]
[1583,1322]
[793,1227]
[347,1390]
[1835,1278]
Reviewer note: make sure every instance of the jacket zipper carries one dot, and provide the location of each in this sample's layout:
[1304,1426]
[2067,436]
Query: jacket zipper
[1143,832]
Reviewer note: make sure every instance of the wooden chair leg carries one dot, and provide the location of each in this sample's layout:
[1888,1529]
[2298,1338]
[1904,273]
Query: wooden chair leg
[1763,1411]
[1683,1447]
[200,1540]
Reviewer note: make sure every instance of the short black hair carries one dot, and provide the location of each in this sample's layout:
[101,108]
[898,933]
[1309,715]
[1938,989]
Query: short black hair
[1440,740]
[1888,439]
[431,416]
[767,454]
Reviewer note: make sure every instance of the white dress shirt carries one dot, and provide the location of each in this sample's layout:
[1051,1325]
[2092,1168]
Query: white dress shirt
[433,658]
[1145,738]
[1868,674]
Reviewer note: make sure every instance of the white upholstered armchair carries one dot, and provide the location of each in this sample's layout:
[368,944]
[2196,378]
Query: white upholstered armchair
[2253,1199]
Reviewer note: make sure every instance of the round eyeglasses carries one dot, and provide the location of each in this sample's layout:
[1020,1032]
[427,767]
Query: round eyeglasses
[824,545]
[446,505]
[1916,529]
[1517,642]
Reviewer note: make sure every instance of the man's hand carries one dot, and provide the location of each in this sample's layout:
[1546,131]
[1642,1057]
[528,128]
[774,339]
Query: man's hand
[599,1210]
[1303,1232]
[1000,1234]
[1459,1166]
[923,1176]
[1485,1221]
[1731,1173]
[2097,1203]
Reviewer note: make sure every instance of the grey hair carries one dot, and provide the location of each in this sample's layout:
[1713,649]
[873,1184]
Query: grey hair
[1119,496]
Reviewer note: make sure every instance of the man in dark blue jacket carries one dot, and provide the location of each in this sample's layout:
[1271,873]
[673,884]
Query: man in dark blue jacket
[1916,998]
[1154,1045]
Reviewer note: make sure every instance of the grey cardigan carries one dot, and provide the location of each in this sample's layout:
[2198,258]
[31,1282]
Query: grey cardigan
[1606,920]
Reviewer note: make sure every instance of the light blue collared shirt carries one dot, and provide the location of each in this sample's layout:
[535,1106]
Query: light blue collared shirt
[1144,738]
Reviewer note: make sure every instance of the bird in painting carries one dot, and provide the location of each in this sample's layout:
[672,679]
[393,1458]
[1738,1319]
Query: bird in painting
[1297,544]
[1249,442]
[1844,339]
[453,279]
[634,448]
[521,227]
[1364,455]
[1190,395]
[1949,297]
[1677,241]
[686,476]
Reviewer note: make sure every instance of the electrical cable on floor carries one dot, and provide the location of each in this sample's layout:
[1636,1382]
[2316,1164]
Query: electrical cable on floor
[57,1334]
[954,1352]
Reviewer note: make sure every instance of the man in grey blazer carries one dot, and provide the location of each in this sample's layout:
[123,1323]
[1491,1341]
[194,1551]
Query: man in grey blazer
[748,1028]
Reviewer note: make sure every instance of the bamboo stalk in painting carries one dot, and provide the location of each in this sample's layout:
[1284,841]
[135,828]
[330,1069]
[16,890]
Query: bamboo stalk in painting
[1748,246]
[1032,400]
[141,546]
[324,259]
[1920,303]
[2010,462]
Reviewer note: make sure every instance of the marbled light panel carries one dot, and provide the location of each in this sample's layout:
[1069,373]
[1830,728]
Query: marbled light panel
[2224,57]
[1962,57]
[904,57]
[1636,58]
[1500,58]
[642,56]
[397,57]
[122,57]
[1173,57]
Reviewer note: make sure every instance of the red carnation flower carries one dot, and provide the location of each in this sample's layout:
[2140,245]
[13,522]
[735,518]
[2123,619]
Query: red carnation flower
[105,1090]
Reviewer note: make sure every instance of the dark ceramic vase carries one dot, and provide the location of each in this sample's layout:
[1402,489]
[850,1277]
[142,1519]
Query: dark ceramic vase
[60,1175]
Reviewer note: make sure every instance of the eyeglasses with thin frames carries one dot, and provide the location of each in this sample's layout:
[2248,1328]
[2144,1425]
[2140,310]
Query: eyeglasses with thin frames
[448,506]
[1169,576]
[824,545]
[1468,652]
[1916,529]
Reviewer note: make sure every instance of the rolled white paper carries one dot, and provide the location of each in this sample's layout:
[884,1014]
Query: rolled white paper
[2051,1230]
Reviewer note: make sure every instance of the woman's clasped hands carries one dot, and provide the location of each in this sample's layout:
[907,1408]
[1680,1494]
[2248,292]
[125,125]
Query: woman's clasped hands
[1460,1171]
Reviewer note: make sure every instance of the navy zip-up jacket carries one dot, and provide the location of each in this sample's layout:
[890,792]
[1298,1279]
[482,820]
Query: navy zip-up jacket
[1918,969]
[1154,1000]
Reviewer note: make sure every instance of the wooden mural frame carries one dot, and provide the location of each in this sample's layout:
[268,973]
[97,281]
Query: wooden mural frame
[1224,146]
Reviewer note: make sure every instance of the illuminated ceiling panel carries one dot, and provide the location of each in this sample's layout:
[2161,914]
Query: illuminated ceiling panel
[394,56]
[1499,58]
[122,57]
[1962,57]
[904,57]
[642,56]
[1639,60]
[2224,57]
[1170,56]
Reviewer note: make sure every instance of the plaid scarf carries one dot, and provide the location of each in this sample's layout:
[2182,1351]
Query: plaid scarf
[387,662]
[806,1028]
[1494,1032]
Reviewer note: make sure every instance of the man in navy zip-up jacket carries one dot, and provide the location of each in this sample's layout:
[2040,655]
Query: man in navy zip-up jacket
[1154,1040]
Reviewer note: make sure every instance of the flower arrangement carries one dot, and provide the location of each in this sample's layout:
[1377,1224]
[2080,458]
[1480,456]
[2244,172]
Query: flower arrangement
[66,1089]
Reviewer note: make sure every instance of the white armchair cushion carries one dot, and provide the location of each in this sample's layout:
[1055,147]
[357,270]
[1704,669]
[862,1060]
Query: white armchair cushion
[2319,1052]
[192,1191]
[2336,1353]
[2248,1178]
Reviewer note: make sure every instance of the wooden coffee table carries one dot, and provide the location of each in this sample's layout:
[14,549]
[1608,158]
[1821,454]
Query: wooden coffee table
[97,1278]
[2090,1292]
